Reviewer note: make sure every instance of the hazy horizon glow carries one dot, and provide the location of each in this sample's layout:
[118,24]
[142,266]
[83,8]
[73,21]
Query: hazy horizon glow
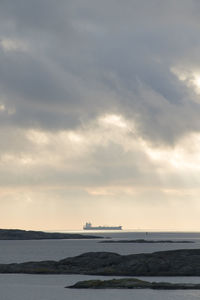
[99,114]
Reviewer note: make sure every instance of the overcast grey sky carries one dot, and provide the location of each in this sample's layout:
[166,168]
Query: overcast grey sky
[99,114]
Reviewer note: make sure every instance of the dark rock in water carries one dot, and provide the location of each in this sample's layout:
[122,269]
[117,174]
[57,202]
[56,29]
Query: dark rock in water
[121,283]
[17,234]
[165,263]
[142,241]
[132,283]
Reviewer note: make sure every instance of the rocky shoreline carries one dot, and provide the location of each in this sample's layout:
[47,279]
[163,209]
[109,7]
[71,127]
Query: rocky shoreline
[132,283]
[143,241]
[17,234]
[165,263]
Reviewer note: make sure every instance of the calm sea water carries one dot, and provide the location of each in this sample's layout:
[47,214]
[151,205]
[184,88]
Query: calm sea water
[51,287]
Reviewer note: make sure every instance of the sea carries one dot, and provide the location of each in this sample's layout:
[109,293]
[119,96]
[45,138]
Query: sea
[53,287]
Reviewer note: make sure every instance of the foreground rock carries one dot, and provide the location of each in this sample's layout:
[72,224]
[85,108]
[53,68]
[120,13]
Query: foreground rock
[17,234]
[132,283]
[165,263]
[142,241]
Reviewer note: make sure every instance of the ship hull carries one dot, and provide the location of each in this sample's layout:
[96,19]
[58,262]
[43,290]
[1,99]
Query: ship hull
[103,228]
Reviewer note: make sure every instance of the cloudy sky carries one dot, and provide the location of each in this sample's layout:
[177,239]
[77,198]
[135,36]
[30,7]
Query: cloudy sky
[99,114]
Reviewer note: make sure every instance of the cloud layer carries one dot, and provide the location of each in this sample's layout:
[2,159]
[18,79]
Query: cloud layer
[99,110]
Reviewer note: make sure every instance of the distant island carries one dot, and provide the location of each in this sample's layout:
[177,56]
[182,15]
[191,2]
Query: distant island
[185,262]
[17,234]
[144,241]
[132,283]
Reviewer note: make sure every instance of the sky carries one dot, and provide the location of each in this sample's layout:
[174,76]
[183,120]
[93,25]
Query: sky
[99,114]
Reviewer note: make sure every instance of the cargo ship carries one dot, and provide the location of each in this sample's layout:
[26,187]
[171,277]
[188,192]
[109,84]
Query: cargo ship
[88,226]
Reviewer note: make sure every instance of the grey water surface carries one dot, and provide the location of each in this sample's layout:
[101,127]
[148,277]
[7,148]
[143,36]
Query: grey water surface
[51,287]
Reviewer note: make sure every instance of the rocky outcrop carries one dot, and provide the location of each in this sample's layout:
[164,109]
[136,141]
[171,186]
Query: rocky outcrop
[17,234]
[165,263]
[142,241]
[132,283]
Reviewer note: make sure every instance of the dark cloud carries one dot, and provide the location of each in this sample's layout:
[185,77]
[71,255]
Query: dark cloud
[85,58]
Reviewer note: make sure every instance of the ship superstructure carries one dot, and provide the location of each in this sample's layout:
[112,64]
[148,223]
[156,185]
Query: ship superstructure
[88,226]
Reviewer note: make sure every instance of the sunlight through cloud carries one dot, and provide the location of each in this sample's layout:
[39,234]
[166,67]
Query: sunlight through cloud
[114,120]
[189,77]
